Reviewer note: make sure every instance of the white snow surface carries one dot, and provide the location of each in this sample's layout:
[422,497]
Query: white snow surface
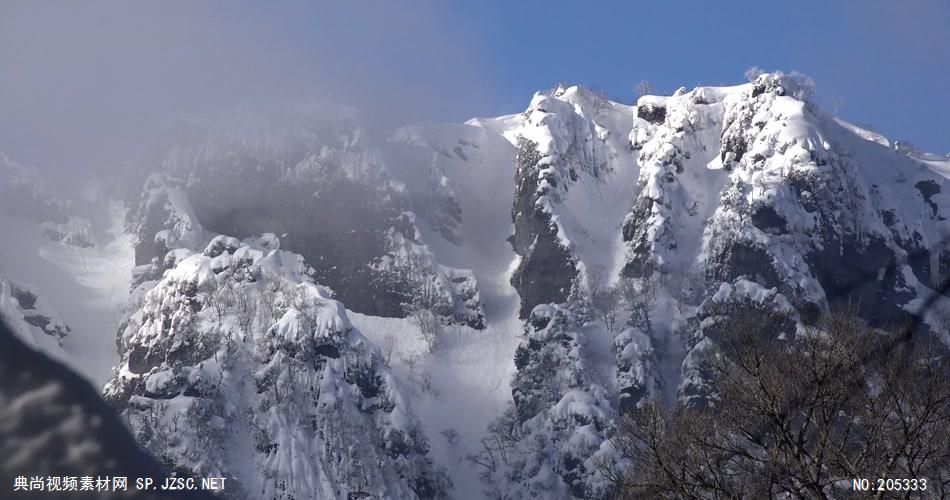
[87,286]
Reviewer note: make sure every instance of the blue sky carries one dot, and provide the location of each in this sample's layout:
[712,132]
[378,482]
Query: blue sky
[82,83]
[888,60]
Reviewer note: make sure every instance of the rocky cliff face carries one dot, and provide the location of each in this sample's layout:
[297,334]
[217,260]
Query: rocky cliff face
[632,226]
[680,206]
[237,364]
[546,269]
[720,183]
[785,198]
[784,195]
[571,144]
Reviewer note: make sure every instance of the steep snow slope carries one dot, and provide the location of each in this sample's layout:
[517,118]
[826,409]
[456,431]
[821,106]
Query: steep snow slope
[578,139]
[464,383]
[457,390]
[87,287]
[574,181]
[587,172]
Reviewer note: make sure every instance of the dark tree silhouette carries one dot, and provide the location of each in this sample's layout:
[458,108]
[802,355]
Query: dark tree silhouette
[798,417]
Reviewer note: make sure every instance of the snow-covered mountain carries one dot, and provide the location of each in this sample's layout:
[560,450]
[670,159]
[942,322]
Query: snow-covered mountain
[686,202]
[236,364]
[573,255]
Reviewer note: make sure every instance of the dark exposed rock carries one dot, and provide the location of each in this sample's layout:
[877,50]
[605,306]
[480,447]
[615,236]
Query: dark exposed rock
[737,259]
[328,350]
[652,113]
[34,313]
[734,144]
[545,273]
[942,279]
[889,218]
[38,321]
[849,269]
[928,189]
[547,269]
[635,231]
[25,298]
[767,219]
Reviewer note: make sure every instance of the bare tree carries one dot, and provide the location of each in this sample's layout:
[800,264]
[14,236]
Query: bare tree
[753,72]
[607,304]
[422,310]
[596,279]
[642,88]
[274,298]
[388,346]
[424,381]
[603,299]
[246,310]
[497,446]
[799,417]
[837,104]
[411,361]
[451,436]
[428,326]
[637,296]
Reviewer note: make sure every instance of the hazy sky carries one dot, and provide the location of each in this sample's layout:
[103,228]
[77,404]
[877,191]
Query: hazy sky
[82,82]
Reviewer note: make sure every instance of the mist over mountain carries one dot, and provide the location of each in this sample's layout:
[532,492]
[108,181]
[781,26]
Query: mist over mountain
[97,80]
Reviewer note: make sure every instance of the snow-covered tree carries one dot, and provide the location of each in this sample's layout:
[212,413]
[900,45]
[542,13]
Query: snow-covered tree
[753,72]
[549,441]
